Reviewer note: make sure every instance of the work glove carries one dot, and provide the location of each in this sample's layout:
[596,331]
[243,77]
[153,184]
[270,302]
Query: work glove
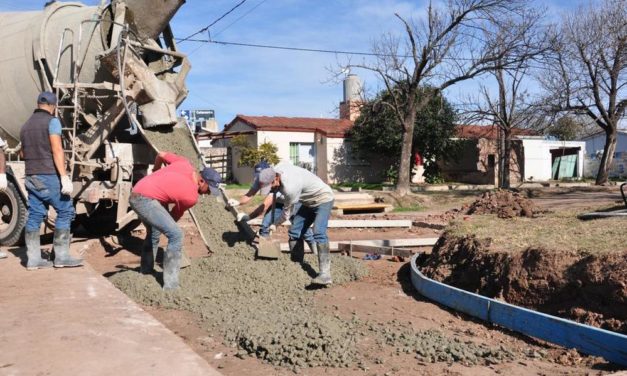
[3,182]
[66,185]
[243,217]
[233,203]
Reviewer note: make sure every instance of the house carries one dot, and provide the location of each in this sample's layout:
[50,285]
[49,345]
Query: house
[320,145]
[595,143]
[532,158]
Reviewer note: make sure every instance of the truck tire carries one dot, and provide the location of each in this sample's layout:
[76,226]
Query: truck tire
[13,212]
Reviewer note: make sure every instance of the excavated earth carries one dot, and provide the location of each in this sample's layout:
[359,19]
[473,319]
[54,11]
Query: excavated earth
[266,308]
[503,203]
[585,287]
[578,285]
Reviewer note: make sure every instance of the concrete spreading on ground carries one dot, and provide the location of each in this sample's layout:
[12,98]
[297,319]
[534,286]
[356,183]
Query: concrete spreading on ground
[264,309]
[432,346]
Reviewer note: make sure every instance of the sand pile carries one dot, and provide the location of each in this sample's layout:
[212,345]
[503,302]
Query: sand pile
[505,204]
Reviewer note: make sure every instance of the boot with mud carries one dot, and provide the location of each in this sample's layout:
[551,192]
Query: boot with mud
[171,267]
[62,258]
[148,256]
[324,264]
[297,251]
[33,252]
[312,247]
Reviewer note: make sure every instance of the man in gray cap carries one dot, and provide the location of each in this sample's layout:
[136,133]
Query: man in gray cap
[47,183]
[174,181]
[298,185]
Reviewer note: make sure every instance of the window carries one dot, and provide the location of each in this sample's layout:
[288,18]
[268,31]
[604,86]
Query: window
[303,154]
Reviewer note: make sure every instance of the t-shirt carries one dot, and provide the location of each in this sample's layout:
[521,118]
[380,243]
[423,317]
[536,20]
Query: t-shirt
[172,184]
[300,185]
[54,127]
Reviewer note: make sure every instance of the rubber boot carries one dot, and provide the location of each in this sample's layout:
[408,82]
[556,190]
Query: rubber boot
[3,255]
[33,252]
[324,263]
[147,258]
[171,266]
[297,251]
[312,247]
[62,258]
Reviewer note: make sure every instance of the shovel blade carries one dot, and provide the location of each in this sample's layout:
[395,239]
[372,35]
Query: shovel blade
[268,248]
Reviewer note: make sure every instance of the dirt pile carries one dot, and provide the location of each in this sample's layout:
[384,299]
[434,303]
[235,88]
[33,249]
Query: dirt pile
[589,288]
[505,204]
[261,307]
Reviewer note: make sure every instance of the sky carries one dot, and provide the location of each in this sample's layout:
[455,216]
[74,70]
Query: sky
[262,82]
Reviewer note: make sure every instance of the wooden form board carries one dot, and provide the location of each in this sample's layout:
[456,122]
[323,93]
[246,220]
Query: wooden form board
[354,223]
[387,243]
[343,208]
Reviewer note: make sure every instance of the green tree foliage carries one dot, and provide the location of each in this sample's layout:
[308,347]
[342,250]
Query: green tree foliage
[566,128]
[377,130]
[250,156]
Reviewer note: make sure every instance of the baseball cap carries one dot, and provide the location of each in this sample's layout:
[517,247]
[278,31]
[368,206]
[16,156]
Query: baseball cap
[213,179]
[266,177]
[261,166]
[47,97]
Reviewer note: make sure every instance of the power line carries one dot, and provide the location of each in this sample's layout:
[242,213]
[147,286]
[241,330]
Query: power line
[242,16]
[290,48]
[214,22]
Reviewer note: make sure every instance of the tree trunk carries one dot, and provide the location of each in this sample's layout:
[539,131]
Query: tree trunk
[507,152]
[404,170]
[608,156]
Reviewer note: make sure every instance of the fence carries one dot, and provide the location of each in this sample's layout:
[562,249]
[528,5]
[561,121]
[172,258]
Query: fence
[220,160]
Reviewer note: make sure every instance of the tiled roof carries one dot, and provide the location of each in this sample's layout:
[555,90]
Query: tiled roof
[488,131]
[329,127]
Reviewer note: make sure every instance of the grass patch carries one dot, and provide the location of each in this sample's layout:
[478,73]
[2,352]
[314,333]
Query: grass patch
[366,186]
[555,231]
[412,208]
[237,186]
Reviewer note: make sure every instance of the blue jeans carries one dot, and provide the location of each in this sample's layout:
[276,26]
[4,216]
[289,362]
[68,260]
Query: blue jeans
[268,220]
[43,191]
[157,221]
[306,216]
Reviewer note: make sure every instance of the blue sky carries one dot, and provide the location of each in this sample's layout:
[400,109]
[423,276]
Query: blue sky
[242,80]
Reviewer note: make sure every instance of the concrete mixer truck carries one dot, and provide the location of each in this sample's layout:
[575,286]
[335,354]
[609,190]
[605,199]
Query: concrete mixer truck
[116,71]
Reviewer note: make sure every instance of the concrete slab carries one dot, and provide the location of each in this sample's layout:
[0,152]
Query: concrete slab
[74,322]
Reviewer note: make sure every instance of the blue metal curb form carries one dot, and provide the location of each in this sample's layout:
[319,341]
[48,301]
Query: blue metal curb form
[587,339]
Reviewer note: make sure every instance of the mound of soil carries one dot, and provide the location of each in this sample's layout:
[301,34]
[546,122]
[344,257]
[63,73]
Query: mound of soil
[588,288]
[505,204]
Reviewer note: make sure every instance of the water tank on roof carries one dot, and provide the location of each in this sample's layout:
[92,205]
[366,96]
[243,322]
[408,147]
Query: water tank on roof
[352,88]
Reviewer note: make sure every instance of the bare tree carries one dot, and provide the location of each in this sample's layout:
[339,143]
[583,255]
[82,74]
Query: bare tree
[588,69]
[455,42]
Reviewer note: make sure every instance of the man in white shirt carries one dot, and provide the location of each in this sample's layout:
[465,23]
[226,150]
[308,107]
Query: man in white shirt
[298,185]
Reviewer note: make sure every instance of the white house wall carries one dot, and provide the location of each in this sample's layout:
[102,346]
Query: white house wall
[538,161]
[343,165]
[282,141]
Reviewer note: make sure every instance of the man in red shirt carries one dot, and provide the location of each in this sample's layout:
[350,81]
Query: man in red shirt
[179,184]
